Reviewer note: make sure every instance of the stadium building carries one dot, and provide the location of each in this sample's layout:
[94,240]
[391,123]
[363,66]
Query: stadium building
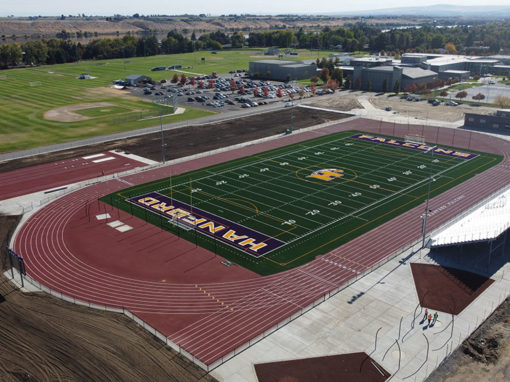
[281,70]
[498,121]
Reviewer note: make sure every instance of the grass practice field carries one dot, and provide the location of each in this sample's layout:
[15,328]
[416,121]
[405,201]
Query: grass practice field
[279,209]
[28,93]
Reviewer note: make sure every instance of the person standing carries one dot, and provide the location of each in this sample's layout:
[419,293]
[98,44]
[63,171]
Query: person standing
[435,318]
[425,315]
[430,318]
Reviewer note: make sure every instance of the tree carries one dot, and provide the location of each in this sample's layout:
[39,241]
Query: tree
[36,52]
[461,94]
[396,87]
[385,85]
[265,91]
[443,93]
[256,92]
[193,81]
[314,79]
[183,79]
[337,76]
[279,93]
[347,83]
[242,90]
[450,48]
[233,86]
[313,88]
[10,55]
[411,88]
[357,83]
[332,84]
[324,75]
[211,84]
[175,79]
[479,97]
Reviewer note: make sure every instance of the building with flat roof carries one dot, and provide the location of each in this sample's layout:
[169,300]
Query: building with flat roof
[134,79]
[281,70]
[459,75]
[385,78]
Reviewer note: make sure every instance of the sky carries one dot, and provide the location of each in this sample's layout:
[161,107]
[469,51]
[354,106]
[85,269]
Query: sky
[214,7]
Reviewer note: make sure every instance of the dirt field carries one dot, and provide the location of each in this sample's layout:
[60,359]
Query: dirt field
[67,113]
[193,139]
[343,101]
[424,110]
[348,100]
[485,356]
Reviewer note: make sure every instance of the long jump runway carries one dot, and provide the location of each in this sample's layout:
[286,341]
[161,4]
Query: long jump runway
[183,291]
[55,174]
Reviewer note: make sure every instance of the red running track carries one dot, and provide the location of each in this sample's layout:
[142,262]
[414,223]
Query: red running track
[55,174]
[184,292]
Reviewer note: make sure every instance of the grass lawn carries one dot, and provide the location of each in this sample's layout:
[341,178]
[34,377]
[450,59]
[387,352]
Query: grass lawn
[28,93]
[299,201]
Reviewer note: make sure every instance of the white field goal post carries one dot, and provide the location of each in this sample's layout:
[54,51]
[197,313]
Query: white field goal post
[415,138]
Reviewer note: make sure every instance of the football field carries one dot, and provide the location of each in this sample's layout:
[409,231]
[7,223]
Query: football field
[279,209]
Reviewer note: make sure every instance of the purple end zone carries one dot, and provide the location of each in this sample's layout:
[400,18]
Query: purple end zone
[414,146]
[238,236]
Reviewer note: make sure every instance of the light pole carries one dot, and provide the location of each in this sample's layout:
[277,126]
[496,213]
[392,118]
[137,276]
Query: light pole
[424,227]
[163,144]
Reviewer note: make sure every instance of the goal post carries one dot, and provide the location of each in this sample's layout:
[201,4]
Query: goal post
[415,138]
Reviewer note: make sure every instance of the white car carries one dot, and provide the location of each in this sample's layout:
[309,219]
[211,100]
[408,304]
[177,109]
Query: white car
[289,104]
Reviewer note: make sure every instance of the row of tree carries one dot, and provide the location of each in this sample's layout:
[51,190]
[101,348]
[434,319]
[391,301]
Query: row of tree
[58,51]
[487,38]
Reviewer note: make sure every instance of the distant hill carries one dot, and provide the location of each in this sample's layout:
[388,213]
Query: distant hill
[437,10]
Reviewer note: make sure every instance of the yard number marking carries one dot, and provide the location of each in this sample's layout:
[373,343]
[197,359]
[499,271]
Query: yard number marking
[335,203]
[313,212]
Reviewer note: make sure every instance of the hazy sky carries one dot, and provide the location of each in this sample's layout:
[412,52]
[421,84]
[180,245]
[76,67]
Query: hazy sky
[214,7]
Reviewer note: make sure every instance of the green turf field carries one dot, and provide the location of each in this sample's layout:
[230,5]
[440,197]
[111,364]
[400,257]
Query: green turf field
[283,195]
[27,93]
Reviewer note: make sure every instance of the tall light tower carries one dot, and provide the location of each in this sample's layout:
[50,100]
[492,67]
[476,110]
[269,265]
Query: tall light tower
[431,179]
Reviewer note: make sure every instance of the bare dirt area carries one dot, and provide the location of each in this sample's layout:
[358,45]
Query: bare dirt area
[67,113]
[485,356]
[43,338]
[342,101]
[193,139]
[424,110]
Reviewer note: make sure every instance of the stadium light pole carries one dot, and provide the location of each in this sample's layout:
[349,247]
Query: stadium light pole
[424,226]
[163,144]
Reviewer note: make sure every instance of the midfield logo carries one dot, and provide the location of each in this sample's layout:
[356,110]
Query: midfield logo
[327,174]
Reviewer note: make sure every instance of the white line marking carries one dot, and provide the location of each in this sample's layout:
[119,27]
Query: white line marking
[94,156]
[103,159]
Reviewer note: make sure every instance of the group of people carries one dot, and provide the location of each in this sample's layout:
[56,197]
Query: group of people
[428,316]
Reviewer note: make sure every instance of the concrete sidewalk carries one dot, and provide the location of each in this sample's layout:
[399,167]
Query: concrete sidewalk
[380,315]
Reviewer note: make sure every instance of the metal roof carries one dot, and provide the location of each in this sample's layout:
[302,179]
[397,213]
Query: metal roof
[485,223]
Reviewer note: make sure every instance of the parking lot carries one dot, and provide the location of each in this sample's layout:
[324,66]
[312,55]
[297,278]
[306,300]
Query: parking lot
[223,93]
